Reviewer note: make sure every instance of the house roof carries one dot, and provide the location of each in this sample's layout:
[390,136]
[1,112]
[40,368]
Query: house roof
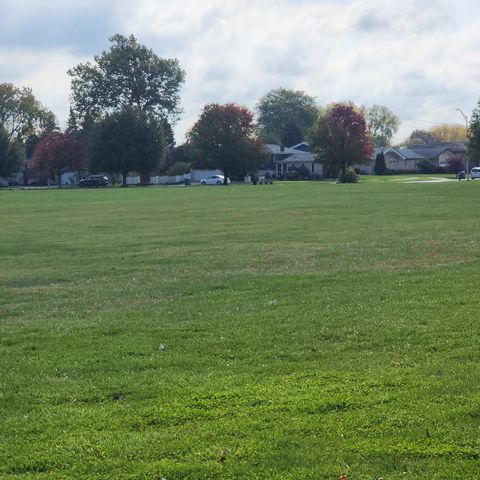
[303,146]
[300,157]
[433,151]
[457,148]
[450,145]
[403,153]
[292,155]
[277,149]
[407,153]
[429,151]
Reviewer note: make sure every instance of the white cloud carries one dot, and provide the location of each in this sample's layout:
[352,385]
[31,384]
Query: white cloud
[418,57]
[44,72]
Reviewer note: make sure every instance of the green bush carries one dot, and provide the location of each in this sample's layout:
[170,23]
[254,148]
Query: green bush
[292,175]
[426,166]
[350,176]
[179,168]
[303,172]
[380,167]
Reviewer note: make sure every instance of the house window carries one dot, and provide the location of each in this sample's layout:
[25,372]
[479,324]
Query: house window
[392,161]
[443,162]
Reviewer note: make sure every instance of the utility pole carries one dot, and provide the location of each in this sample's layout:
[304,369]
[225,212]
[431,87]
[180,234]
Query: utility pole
[466,126]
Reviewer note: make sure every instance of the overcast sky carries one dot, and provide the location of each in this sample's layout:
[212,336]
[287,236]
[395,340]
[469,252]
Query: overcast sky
[418,57]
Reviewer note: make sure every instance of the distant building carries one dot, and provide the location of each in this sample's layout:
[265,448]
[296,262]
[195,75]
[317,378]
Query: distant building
[409,159]
[440,153]
[288,159]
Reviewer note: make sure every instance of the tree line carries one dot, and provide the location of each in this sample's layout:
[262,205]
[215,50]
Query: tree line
[125,102]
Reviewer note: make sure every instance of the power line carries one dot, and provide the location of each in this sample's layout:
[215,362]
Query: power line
[421,121]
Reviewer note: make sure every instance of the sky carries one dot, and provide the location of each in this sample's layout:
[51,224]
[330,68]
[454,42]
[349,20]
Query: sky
[418,57]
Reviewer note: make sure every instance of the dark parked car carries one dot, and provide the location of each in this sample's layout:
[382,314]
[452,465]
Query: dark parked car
[94,181]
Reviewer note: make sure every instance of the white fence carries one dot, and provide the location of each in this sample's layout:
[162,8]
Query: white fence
[133,180]
[167,180]
[197,175]
[70,178]
[193,176]
[159,180]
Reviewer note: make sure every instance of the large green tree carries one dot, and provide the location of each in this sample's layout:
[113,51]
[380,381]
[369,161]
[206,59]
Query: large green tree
[127,75]
[183,154]
[22,115]
[292,134]
[285,115]
[383,124]
[340,138]
[127,140]
[473,151]
[12,154]
[223,138]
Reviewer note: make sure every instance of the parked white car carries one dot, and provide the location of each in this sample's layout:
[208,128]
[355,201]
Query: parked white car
[475,172]
[214,180]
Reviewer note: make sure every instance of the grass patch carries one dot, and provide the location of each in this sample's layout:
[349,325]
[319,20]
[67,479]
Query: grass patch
[295,331]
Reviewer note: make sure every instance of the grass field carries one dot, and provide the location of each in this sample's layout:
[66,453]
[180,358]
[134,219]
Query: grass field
[293,331]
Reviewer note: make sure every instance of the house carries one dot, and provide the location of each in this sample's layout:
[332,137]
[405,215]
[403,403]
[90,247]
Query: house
[284,160]
[288,159]
[401,159]
[409,159]
[440,153]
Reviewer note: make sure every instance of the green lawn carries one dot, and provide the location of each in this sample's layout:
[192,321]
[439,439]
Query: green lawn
[293,331]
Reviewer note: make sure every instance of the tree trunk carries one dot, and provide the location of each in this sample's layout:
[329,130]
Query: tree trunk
[59,173]
[225,177]
[124,179]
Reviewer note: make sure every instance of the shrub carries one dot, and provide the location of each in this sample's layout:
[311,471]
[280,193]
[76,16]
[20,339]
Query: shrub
[426,166]
[179,168]
[455,164]
[350,176]
[380,167]
[401,172]
[292,175]
[303,172]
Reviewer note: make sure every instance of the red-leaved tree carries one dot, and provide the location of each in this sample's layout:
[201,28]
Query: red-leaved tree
[455,164]
[223,138]
[57,153]
[340,138]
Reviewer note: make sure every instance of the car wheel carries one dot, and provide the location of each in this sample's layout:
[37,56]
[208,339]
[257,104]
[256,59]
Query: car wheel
[203,183]
[219,182]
